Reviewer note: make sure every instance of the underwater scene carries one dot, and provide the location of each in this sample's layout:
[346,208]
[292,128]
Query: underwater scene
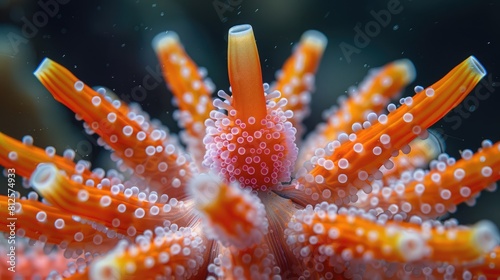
[238,139]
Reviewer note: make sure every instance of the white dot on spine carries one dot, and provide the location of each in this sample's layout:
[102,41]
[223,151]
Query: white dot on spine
[429,92]
[59,223]
[419,189]
[486,171]
[122,208]
[116,103]
[32,196]
[170,149]
[162,166]
[175,249]
[445,194]
[418,89]
[333,233]
[139,213]
[343,163]
[96,101]
[105,201]
[115,222]
[486,143]
[41,216]
[27,140]
[69,154]
[406,149]
[465,191]
[129,152]
[408,101]
[156,135]
[363,175]
[382,119]
[131,231]
[97,239]
[176,183]
[459,174]
[356,127]
[163,257]
[342,178]
[385,139]
[389,164]
[406,207]
[319,179]
[111,117]
[436,178]
[377,151]
[83,195]
[78,85]
[318,228]
[128,130]
[328,164]
[141,135]
[13,156]
[166,208]
[416,130]
[467,154]
[154,210]
[101,90]
[425,208]
[128,193]
[326,193]
[150,150]
[149,262]
[78,237]
[440,208]
[408,117]
[153,197]
[358,147]
[50,151]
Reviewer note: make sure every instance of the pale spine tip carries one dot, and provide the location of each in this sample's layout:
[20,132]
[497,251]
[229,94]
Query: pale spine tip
[164,39]
[241,29]
[43,65]
[215,200]
[477,66]
[411,246]
[408,68]
[106,267]
[203,189]
[44,176]
[486,236]
[316,38]
[436,143]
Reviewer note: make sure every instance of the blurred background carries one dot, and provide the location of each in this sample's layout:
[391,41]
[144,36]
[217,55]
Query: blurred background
[108,43]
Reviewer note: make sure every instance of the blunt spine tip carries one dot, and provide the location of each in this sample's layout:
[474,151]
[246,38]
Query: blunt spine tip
[486,236]
[477,66]
[42,66]
[43,176]
[409,68]
[164,39]
[240,29]
[316,38]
